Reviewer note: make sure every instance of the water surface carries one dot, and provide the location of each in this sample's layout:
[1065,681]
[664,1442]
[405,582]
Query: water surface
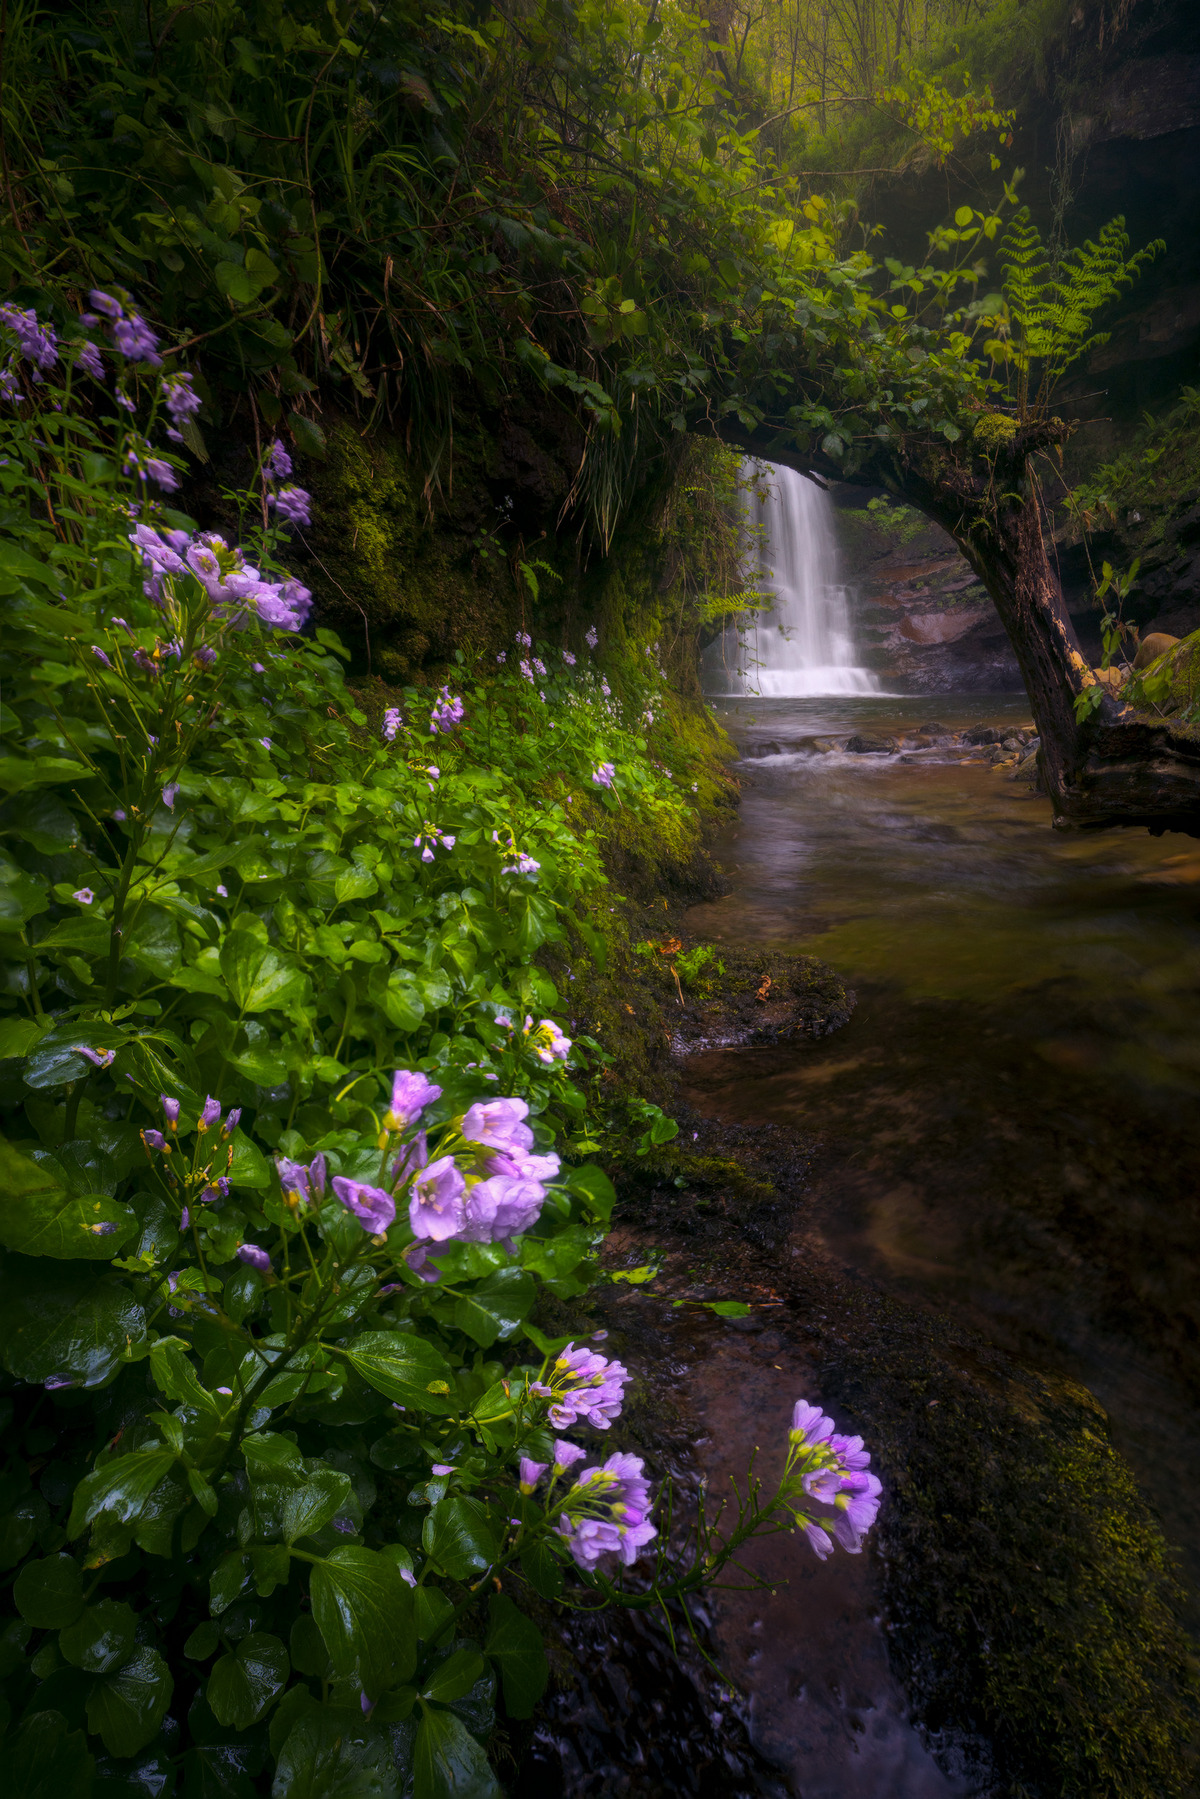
[1010,1123]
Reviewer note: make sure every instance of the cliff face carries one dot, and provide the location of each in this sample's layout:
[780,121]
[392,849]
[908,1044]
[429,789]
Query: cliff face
[1108,124]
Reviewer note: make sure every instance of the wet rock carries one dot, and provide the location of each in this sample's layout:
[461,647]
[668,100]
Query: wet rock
[981,734]
[761,996]
[933,730]
[871,746]
[1152,646]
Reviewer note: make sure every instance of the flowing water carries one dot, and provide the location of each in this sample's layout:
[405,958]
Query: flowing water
[805,643]
[1010,1123]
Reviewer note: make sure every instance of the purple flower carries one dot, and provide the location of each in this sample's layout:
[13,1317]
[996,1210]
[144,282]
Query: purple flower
[568,659]
[254,1257]
[549,1044]
[292,506]
[112,309]
[858,1507]
[411,1093]
[277,463]
[524,1167]
[566,1455]
[168,795]
[99,1058]
[231,1120]
[391,723]
[302,1183]
[418,1256]
[524,865]
[503,656]
[411,1160]
[101,658]
[435,1202]
[218,1189]
[605,1513]
[531,1473]
[134,340]
[185,1219]
[592,638]
[447,711]
[443,1467]
[809,1423]
[180,397]
[84,895]
[819,1541]
[586,1386]
[210,1113]
[170,1110]
[525,638]
[374,1209]
[497,1124]
[89,359]
[499,1208]
[204,656]
[36,341]
[603,776]
[154,1140]
[266,742]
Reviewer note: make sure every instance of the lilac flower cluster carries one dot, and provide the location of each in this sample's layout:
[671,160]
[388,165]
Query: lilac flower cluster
[144,465]
[447,711]
[592,637]
[607,1512]
[486,1185]
[236,589]
[583,1387]
[36,343]
[131,336]
[547,1042]
[430,834]
[391,724]
[832,1470]
[181,401]
[604,775]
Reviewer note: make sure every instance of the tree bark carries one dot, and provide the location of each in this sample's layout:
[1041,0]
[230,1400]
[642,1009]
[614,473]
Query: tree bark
[1117,767]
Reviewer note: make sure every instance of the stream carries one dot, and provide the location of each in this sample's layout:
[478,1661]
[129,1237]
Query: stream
[1007,1132]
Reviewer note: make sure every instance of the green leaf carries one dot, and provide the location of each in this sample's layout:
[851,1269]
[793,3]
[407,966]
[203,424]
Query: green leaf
[330,1755]
[228,1580]
[306,1509]
[728,1308]
[433,1612]
[62,1321]
[596,1188]
[125,1709]
[45,1760]
[497,1306]
[246,1682]
[257,976]
[307,435]
[454,1678]
[204,1641]
[121,1488]
[365,1613]
[405,1368]
[101,1639]
[542,1569]
[458,1535]
[515,1644]
[963,217]
[307,1645]
[41,1218]
[449,1763]
[49,1594]
[18,1035]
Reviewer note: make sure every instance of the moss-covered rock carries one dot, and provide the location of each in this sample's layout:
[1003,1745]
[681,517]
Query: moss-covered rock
[1171,683]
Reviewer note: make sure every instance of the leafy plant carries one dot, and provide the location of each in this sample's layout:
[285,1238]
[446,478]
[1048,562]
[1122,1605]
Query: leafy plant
[288,1164]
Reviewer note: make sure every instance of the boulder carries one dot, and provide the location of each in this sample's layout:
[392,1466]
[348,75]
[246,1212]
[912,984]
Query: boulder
[871,746]
[929,730]
[1152,646]
[980,734]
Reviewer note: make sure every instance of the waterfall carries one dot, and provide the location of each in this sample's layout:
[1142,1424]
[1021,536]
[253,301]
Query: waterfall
[805,643]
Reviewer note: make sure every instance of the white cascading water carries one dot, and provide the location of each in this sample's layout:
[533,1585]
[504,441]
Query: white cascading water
[805,643]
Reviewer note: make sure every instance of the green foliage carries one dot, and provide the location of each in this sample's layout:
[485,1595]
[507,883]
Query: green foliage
[1155,478]
[1047,320]
[290,1410]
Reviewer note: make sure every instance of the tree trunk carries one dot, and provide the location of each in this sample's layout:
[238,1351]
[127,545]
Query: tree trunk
[1117,767]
